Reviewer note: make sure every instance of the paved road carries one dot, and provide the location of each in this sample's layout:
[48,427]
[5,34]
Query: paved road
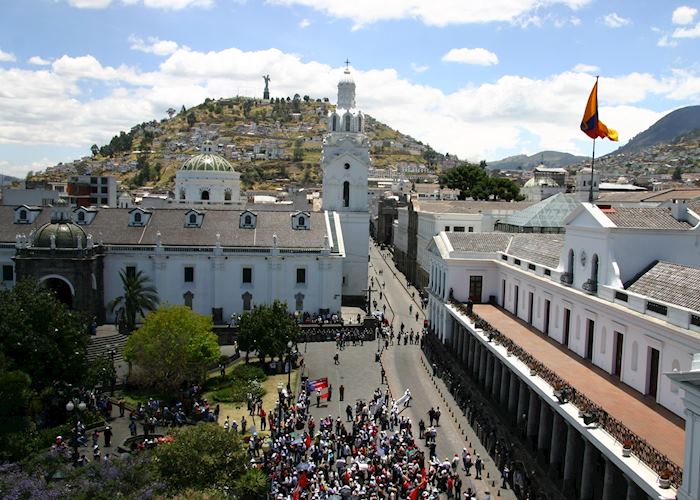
[360,375]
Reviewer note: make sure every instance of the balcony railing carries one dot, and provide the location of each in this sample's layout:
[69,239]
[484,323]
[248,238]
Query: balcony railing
[567,278]
[652,457]
[590,286]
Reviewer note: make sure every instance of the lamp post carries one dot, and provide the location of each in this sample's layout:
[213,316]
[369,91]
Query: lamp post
[289,364]
[79,408]
[280,388]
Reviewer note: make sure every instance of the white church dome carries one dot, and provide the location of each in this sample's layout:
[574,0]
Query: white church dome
[207,161]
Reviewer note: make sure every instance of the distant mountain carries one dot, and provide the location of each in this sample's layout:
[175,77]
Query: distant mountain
[549,158]
[674,124]
[7,179]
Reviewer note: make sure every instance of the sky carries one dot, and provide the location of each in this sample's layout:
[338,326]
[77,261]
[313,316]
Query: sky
[480,79]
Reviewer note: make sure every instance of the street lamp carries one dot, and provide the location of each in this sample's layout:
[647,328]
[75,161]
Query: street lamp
[70,406]
[280,388]
[289,364]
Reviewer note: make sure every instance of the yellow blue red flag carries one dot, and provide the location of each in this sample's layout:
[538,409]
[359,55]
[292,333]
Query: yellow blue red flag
[590,124]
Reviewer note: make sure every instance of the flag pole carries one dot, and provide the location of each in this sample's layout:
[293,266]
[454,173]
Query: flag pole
[590,192]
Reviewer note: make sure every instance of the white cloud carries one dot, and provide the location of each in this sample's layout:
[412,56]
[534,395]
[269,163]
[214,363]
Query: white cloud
[613,20]
[304,23]
[154,4]
[665,41]
[478,56]
[52,105]
[434,13]
[586,68]
[683,15]
[89,4]
[20,170]
[7,56]
[153,45]
[38,61]
[419,68]
[693,32]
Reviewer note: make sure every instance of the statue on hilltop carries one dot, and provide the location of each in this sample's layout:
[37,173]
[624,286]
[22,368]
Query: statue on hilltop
[266,92]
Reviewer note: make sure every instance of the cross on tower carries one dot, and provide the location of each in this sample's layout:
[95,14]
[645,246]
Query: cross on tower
[347,64]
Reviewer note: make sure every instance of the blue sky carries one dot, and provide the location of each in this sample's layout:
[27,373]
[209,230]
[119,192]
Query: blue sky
[481,79]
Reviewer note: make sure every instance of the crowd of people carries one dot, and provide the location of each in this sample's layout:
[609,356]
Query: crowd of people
[371,455]
[339,334]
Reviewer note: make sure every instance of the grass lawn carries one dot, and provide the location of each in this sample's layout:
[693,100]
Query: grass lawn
[236,411]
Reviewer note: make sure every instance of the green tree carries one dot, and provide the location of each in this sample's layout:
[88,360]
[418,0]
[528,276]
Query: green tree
[191,118]
[40,336]
[139,297]
[174,345]
[94,149]
[298,151]
[171,112]
[201,456]
[16,395]
[252,485]
[677,174]
[100,373]
[267,329]
[464,177]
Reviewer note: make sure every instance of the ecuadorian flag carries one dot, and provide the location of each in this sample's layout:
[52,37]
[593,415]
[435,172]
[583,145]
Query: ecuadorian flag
[590,124]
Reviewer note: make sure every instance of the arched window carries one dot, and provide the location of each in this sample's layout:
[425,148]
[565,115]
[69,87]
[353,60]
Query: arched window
[81,216]
[248,220]
[23,214]
[594,268]
[205,195]
[193,219]
[334,122]
[346,118]
[137,217]
[227,195]
[302,221]
[635,355]
[346,194]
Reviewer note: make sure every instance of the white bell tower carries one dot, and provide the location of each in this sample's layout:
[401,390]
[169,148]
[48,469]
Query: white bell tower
[345,162]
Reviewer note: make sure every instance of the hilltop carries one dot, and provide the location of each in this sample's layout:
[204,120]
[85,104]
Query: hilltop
[673,125]
[524,162]
[268,142]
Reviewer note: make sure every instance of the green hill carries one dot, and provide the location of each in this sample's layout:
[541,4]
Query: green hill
[524,162]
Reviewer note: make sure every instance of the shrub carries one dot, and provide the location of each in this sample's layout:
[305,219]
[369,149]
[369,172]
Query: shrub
[238,392]
[249,372]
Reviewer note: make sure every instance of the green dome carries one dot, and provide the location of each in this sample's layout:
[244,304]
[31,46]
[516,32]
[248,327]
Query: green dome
[207,161]
[67,235]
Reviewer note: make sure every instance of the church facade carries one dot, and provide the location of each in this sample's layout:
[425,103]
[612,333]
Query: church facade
[209,252]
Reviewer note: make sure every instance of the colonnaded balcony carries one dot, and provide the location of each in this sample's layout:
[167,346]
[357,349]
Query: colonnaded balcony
[544,386]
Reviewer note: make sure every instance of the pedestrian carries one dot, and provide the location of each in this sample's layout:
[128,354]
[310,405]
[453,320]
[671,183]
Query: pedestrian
[244,424]
[226,424]
[330,392]
[222,369]
[108,436]
[458,486]
[336,359]
[318,398]
[348,413]
[437,417]
[504,477]
[478,465]
[120,403]
[383,375]
[431,416]
[96,453]
[263,420]
[234,426]
[421,429]
[132,427]
[95,438]
[342,392]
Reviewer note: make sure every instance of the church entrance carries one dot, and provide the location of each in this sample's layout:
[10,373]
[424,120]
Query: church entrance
[62,289]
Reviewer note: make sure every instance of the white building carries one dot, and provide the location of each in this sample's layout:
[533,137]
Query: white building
[207,179]
[620,291]
[345,162]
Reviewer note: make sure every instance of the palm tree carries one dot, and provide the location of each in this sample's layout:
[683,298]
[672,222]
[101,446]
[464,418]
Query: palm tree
[139,297]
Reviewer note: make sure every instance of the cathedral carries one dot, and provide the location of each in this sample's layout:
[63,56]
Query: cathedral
[211,253]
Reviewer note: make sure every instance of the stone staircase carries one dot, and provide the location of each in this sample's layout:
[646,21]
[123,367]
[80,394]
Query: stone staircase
[102,344]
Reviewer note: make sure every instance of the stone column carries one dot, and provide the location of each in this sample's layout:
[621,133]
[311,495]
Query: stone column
[609,481]
[532,417]
[544,432]
[488,377]
[496,382]
[556,449]
[513,395]
[522,402]
[470,353]
[465,347]
[587,471]
[482,363]
[503,396]
[570,460]
[476,359]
